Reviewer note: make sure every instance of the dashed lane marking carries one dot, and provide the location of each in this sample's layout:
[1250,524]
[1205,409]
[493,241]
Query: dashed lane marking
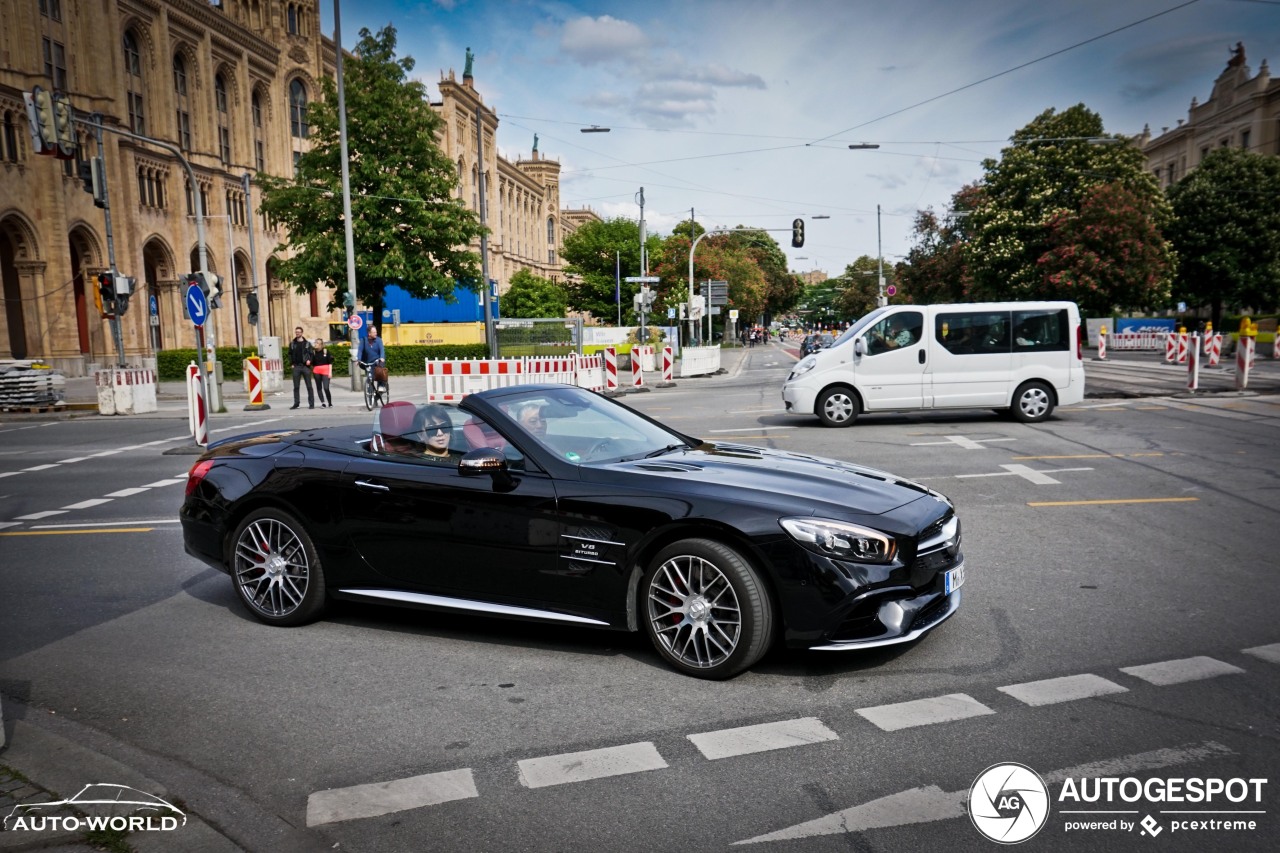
[924,712]
[1179,671]
[124,493]
[382,798]
[762,738]
[1051,691]
[1269,653]
[36,516]
[92,502]
[591,764]
[1113,501]
[41,467]
[961,441]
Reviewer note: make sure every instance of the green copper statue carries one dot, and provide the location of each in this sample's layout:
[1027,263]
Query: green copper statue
[466,71]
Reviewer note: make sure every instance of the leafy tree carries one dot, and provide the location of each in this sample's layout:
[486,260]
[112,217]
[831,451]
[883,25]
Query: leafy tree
[1227,231]
[719,257]
[782,287]
[409,229]
[1021,213]
[935,270]
[859,289]
[533,296]
[592,256]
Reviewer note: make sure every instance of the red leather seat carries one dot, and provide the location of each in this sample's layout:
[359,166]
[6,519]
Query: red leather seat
[395,420]
[479,434]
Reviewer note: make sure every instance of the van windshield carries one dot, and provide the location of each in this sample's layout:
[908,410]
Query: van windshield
[859,326]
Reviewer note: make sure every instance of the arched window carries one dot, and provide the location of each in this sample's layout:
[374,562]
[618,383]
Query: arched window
[551,231]
[10,151]
[298,109]
[293,19]
[183,107]
[224,121]
[259,147]
[133,84]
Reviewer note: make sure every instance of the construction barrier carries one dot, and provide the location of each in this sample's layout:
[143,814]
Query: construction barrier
[1136,340]
[1244,361]
[1102,344]
[611,370]
[699,361]
[647,360]
[551,369]
[668,364]
[451,379]
[197,411]
[253,384]
[1171,348]
[125,391]
[1182,347]
[590,373]
[1193,364]
[637,370]
[1213,348]
[272,375]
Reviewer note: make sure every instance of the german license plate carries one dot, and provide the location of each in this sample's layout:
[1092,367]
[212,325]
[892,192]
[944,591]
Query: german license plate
[953,579]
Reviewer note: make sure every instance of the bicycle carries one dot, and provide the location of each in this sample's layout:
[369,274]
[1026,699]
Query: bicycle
[374,392]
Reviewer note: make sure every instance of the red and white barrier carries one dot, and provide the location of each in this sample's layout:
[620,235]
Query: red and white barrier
[637,370]
[125,391]
[1213,348]
[1102,346]
[1136,340]
[590,372]
[610,369]
[1182,348]
[197,410]
[254,384]
[551,369]
[1275,346]
[449,379]
[1171,348]
[668,364]
[1244,360]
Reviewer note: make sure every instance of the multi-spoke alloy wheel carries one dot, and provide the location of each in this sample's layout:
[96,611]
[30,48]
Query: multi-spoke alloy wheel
[706,610]
[275,569]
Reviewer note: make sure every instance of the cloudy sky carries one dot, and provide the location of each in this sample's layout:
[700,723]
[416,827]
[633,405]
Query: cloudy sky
[743,110]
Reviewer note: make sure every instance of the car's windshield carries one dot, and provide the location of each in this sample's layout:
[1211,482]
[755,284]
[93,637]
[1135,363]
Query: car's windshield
[859,326]
[581,427]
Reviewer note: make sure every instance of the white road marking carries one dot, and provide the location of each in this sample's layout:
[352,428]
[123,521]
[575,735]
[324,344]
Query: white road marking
[726,743]
[591,764]
[1066,689]
[148,523]
[1178,671]
[89,503]
[931,803]
[924,712]
[104,453]
[158,483]
[10,473]
[124,493]
[382,798]
[41,467]
[35,516]
[1269,653]
[962,441]
[4,524]
[72,459]
[1040,478]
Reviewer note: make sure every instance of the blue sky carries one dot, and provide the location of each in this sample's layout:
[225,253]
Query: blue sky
[744,110]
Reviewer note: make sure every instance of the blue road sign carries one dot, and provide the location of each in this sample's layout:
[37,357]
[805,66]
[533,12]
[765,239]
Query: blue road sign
[197,305]
[155,306]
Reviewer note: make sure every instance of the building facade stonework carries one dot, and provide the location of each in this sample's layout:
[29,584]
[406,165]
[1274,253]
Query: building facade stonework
[228,85]
[1243,111]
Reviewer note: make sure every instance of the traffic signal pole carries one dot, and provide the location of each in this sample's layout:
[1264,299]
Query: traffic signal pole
[111,247]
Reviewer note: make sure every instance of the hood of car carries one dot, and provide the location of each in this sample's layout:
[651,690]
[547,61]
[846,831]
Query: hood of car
[805,479]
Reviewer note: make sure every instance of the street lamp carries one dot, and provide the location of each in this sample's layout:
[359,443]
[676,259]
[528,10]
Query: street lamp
[595,128]
[861,146]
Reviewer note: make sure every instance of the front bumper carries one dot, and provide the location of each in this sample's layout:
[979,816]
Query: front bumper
[798,398]
[902,620]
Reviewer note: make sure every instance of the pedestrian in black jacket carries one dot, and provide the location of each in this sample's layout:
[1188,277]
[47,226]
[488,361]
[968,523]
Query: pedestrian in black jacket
[300,357]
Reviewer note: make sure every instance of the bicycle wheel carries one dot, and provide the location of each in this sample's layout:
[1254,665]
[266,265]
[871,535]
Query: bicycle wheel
[368,394]
[384,392]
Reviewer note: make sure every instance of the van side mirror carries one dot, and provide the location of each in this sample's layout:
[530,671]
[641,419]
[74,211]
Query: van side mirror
[859,346]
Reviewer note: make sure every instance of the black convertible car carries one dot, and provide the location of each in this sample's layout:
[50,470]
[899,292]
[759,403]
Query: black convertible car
[550,502]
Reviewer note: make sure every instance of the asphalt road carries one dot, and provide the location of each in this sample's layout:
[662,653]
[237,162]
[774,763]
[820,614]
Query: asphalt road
[1135,637]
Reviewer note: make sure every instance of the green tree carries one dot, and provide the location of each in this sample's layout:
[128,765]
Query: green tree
[1227,231]
[1022,213]
[719,257]
[409,228]
[935,267]
[782,287]
[533,296]
[858,289]
[593,254]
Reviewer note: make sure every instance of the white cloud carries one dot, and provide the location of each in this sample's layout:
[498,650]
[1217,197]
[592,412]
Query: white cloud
[591,41]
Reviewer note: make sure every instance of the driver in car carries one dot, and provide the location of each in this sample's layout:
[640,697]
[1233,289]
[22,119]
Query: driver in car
[530,416]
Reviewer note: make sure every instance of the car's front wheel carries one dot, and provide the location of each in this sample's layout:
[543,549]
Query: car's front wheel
[705,609]
[837,407]
[276,570]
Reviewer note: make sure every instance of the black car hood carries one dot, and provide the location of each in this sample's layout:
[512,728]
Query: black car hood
[802,479]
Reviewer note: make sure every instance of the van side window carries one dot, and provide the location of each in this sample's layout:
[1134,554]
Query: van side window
[972,332]
[1041,331]
[896,331]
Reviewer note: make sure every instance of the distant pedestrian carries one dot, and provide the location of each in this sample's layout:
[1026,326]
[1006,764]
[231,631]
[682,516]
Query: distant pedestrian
[322,367]
[300,357]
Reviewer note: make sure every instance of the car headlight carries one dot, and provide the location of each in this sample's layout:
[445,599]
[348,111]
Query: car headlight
[803,366]
[841,540]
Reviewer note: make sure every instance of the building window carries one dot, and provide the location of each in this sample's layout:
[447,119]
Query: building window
[133,71]
[259,156]
[257,110]
[224,145]
[10,151]
[55,63]
[180,76]
[293,25]
[184,130]
[1170,174]
[51,9]
[1204,152]
[220,94]
[191,209]
[183,111]
[298,110]
[1244,139]
[142,186]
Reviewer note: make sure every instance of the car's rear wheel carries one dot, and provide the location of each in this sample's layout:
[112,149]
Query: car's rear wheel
[276,570]
[705,609]
[1032,402]
[837,407]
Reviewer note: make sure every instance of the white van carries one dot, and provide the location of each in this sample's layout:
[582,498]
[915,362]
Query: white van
[1021,357]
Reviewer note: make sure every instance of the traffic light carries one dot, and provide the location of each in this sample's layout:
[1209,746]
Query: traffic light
[91,176]
[251,300]
[106,295]
[64,127]
[797,233]
[45,128]
[125,285]
[211,284]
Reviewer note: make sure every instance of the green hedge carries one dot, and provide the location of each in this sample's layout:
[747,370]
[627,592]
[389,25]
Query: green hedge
[402,360]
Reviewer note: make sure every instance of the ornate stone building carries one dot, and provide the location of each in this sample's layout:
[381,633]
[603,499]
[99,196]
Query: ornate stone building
[1242,111]
[227,84]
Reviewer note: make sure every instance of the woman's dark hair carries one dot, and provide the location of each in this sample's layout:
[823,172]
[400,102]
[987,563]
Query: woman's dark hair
[431,414]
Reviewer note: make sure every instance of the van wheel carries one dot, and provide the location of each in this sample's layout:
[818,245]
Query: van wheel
[1032,402]
[837,407]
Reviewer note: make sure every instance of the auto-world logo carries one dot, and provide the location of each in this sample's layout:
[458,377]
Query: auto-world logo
[1008,803]
[99,806]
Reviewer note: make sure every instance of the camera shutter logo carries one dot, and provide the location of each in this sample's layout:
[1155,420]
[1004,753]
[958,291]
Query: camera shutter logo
[1008,803]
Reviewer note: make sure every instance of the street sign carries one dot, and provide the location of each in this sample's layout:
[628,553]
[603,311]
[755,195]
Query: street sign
[671,313]
[197,306]
[155,306]
[644,279]
[355,321]
[733,313]
[891,290]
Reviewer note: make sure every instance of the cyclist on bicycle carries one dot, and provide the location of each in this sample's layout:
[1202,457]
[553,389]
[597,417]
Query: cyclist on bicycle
[374,354]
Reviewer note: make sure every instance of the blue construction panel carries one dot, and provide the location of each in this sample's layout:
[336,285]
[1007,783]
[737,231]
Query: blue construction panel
[466,309]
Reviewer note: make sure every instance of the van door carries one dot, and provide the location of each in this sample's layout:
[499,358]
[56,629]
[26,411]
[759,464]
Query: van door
[1042,347]
[971,359]
[891,375]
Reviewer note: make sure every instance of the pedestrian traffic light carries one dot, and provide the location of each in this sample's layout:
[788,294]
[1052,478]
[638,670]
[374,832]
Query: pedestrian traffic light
[106,295]
[45,128]
[124,287]
[797,233]
[251,300]
[64,127]
[211,284]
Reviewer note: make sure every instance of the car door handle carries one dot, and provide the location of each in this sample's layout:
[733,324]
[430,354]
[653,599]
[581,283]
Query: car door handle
[922,355]
[366,486]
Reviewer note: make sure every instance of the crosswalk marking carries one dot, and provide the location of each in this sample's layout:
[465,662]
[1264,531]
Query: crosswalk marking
[591,764]
[924,712]
[381,798]
[1066,689]
[1177,671]
[762,738]
[1269,653]
[124,493]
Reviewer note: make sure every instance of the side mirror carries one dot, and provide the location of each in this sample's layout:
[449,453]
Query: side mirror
[859,346]
[486,460]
